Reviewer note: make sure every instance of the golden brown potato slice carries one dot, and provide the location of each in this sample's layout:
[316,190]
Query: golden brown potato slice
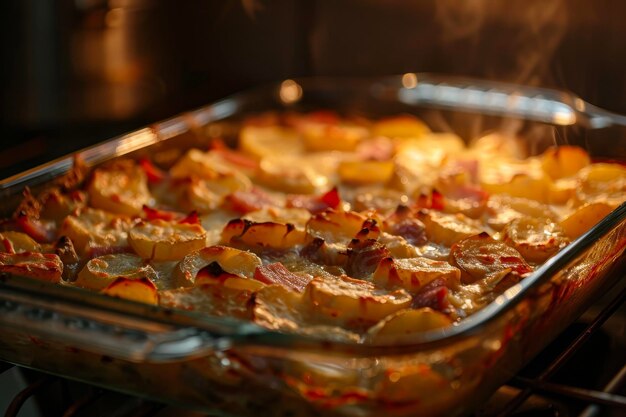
[400,127]
[43,266]
[365,172]
[91,229]
[503,209]
[332,137]
[406,323]
[205,196]
[58,205]
[100,272]
[121,189]
[263,141]
[536,238]
[160,240]
[481,256]
[584,218]
[446,229]
[564,161]
[341,226]
[198,164]
[354,302]
[294,175]
[602,182]
[414,273]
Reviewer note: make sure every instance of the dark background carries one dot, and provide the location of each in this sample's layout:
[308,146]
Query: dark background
[76,72]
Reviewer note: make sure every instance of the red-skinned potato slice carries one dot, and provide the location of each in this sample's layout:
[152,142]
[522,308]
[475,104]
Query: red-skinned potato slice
[141,290]
[262,235]
[340,226]
[43,266]
[216,264]
[100,272]
[213,274]
[482,256]
[276,273]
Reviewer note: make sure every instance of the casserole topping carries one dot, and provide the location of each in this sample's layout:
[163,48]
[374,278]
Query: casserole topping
[359,230]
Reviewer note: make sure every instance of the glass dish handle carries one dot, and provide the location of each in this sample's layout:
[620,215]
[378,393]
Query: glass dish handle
[104,332]
[504,99]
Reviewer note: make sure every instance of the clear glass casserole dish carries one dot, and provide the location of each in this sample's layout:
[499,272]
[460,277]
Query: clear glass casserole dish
[236,368]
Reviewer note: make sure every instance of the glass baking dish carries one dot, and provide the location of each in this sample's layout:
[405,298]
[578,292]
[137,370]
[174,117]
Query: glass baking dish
[235,368]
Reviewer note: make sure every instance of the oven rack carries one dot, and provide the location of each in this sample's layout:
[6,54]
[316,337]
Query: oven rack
[597,401]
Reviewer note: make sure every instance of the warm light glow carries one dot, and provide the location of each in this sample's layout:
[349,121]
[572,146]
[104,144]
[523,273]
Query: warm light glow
[134,141]
[409,80]
[579,104]
[290,91]
[564,118]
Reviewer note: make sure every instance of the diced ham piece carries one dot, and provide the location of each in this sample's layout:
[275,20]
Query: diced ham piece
[376,149]
[35,228]
[233,156]
[191,218]
[247,201]
[364,256]
[153,214]
[154,174]
[433,295]
[315,204]
[434,201]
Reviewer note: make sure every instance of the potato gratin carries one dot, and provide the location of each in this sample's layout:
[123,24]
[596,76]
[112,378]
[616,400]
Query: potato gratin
[358,230]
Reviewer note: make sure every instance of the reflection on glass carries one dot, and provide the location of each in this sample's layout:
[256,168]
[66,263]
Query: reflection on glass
[563,118]
[290,91]
[409,80]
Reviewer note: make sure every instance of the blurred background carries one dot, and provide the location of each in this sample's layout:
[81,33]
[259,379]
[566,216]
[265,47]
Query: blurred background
[76,72]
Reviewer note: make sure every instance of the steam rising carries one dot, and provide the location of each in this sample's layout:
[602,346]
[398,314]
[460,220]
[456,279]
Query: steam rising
[526,35]
[513,40]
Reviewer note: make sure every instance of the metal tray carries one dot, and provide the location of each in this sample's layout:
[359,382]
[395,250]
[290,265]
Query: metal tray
[235,368]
